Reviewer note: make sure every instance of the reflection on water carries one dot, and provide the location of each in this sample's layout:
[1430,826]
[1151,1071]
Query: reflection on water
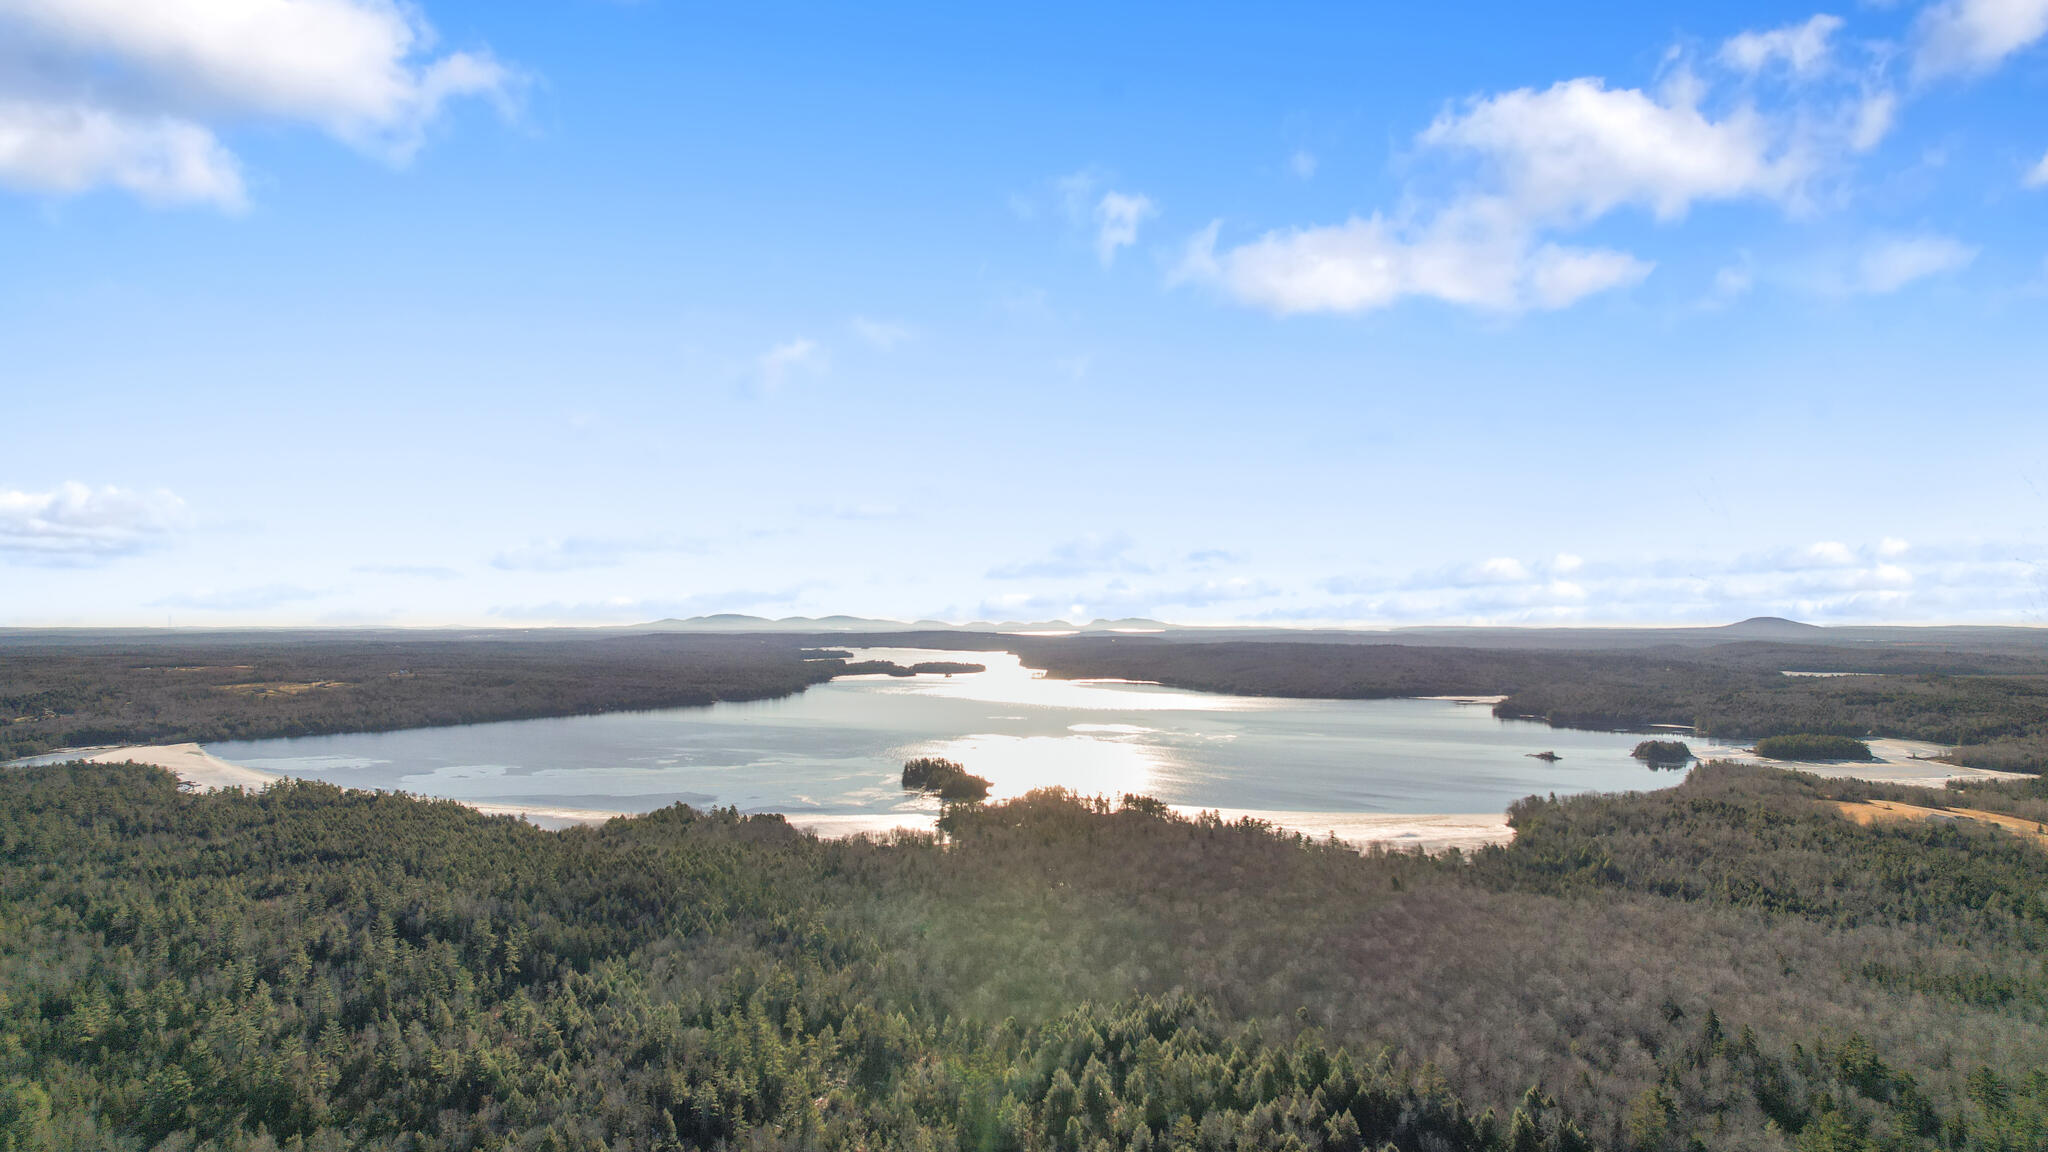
[838,748]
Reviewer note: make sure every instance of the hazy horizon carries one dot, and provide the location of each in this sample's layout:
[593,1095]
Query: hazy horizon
[460,314]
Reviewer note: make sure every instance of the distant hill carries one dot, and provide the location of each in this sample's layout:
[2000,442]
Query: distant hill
[1770,628]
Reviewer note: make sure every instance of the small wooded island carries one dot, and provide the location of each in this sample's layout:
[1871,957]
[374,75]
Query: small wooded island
[946,779]
[1663,753]
[1808,746]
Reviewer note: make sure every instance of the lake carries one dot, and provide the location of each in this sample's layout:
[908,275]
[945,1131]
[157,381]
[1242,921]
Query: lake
[837,749]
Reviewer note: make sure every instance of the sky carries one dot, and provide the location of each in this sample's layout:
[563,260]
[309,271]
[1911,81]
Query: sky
[353,312]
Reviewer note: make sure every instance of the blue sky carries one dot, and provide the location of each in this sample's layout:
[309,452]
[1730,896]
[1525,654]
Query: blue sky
[335,311]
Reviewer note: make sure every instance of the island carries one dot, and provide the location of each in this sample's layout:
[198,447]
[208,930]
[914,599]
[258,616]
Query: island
[946,779]
[1812,747]
[1663,753]
[925,668]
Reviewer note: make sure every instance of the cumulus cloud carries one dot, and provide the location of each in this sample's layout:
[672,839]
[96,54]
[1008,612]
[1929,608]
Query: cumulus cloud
[1831,552]
[125,95]
[1463,257]
[67,148]
[1826,581]
[1802,49]
[76,524]
[1971,37]
[1117,216]
[1550,159]
[779,364]
[1894,262]
[1579,149]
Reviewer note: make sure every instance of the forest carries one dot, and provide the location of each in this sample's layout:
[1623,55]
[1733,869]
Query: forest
[1727,964]
[1813,747]
[61,692]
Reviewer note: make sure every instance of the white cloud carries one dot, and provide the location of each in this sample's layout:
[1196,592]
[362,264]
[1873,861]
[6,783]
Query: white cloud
[1892,263]
[1117,216]
[1556,158]
[1872,119]
[1559,277]
[1802,48]
[1303,163]
[880,334]
[1366,264]
[1829,581]
[1968,37]
[778,364]
[125,94]
[2037,176]
[1579,149]
[78,524]
[1831,552]
[70,148]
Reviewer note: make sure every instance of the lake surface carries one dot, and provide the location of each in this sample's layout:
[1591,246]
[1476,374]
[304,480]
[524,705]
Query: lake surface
[838,748]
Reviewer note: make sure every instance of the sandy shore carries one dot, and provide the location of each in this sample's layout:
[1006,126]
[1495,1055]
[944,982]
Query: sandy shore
[1909,762]
[1433,833]
[190,763]
[203,770]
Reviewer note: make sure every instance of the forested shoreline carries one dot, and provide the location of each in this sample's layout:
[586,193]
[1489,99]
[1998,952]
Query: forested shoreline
[1991,706]
[1727,964]
[84,693]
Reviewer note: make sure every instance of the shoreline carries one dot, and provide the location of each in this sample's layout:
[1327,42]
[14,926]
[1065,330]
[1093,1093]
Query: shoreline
[1432,832]
[1903,762]
[1906,762]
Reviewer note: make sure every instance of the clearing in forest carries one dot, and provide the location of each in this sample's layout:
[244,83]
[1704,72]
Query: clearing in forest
[1878,811]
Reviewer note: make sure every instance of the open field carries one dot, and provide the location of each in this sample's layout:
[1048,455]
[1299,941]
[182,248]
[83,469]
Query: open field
[1880,811]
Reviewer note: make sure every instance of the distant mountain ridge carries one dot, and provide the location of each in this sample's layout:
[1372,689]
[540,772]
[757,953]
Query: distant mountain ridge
[1757,629]
[739,622]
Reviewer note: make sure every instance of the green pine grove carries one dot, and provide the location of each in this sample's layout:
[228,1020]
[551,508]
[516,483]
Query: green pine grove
[1724,965]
